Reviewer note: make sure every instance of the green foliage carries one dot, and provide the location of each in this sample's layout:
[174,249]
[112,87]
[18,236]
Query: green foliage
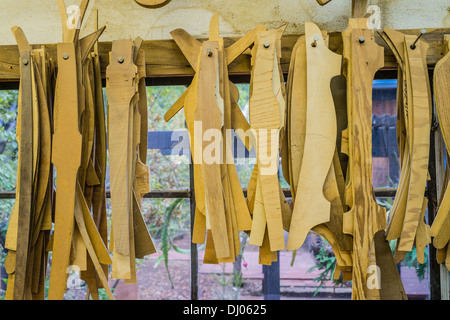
[166,242]
[326,261]
[8,158]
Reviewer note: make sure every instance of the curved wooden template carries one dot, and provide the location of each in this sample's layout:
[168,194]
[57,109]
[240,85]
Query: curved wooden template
[441,81]
[190,47]
[421,122]
[80,217]
[391,287]
[25,181]
[44,157]
[311,207]
[189,110]
[332,194]
[67,159]
[398,210]
[237,48]
[297,117]
[343,257]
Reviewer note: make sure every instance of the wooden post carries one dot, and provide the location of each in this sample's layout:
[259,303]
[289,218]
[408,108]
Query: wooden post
[359,8]
[271,282]
[194,252]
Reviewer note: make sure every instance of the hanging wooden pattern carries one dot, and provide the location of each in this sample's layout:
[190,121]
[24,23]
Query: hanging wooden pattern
[30,223]
[129,175]
[76,240]
[267,118]
[211,100]
[297,100]
[407,218]
[440,229]
[366,217]
[311,208]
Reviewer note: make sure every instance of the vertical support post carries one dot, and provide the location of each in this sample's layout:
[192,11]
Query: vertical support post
[435,172]
[271,282]
[194,252]
[359,8]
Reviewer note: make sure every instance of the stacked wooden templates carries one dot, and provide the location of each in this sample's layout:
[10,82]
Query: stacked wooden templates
[77,149]
[267,118]
[440,229]
[79,156]
[310,107]
[31,219]
[127,142]
[320,122]
[407,218]
[210,108]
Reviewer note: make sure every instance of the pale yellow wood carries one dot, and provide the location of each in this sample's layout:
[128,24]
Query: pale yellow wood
[265,119]
[67,159]
[208,113]
[297,114]
[363,59]
[80,219]
[311,207]
[419,112]
[423,234]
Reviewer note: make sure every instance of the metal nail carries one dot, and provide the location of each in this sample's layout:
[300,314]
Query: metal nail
[266,44]
[314,44]
[209,52]
[65,56]
[120,60]
[25,61]
[362,39]
[422,32]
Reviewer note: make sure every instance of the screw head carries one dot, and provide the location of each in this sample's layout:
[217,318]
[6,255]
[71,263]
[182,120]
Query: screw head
[65,56]
[209,52]
[266,44]
[121,60]
[25,61]
[362,39]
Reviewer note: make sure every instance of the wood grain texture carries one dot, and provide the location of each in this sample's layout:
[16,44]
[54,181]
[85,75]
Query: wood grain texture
[66,156]
[420,122]
[209,114]
[441,83]
[265,119]
[311,207]
[368,217]
[25,194]
[165,59]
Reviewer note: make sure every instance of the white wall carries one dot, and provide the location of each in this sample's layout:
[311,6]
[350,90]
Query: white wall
[126,19]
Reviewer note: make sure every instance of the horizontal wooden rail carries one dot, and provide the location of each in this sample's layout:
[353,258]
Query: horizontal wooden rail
[165,60]
[160,194]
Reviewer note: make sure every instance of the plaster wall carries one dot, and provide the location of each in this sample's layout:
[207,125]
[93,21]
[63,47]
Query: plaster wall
[41,22]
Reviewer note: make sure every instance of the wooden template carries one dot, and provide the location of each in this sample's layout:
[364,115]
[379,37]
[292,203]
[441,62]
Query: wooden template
[311,207]
[406,221]
[363,58]
[211,101]
[440,229]
[127,137]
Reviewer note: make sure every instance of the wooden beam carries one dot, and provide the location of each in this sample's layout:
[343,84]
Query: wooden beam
[165,59]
